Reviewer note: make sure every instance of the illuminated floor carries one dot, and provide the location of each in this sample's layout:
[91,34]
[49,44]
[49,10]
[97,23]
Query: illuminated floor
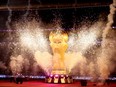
[43,84]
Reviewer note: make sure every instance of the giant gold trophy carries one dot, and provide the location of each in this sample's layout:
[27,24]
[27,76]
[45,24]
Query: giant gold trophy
[58,43]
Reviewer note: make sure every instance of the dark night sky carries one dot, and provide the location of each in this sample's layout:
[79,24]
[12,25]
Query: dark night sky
[67,16]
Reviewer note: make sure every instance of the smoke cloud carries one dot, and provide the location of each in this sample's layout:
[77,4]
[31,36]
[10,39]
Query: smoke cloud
[108,46]
[9,16]
[114,3]
[16,64]
[33,39]
[75,60]
[44,59]
[2,65]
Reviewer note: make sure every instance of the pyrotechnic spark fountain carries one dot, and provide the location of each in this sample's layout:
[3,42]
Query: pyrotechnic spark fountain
[31,36]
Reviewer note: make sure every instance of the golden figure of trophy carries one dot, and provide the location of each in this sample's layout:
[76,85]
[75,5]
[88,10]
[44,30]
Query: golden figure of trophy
[58,43]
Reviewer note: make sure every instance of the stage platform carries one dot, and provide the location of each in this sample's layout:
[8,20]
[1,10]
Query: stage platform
[40,83]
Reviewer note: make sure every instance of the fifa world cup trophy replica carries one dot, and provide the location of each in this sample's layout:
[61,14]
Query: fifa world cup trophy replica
[58,42]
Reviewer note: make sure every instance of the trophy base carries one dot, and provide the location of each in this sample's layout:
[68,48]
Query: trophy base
[58,78]
[58,71]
